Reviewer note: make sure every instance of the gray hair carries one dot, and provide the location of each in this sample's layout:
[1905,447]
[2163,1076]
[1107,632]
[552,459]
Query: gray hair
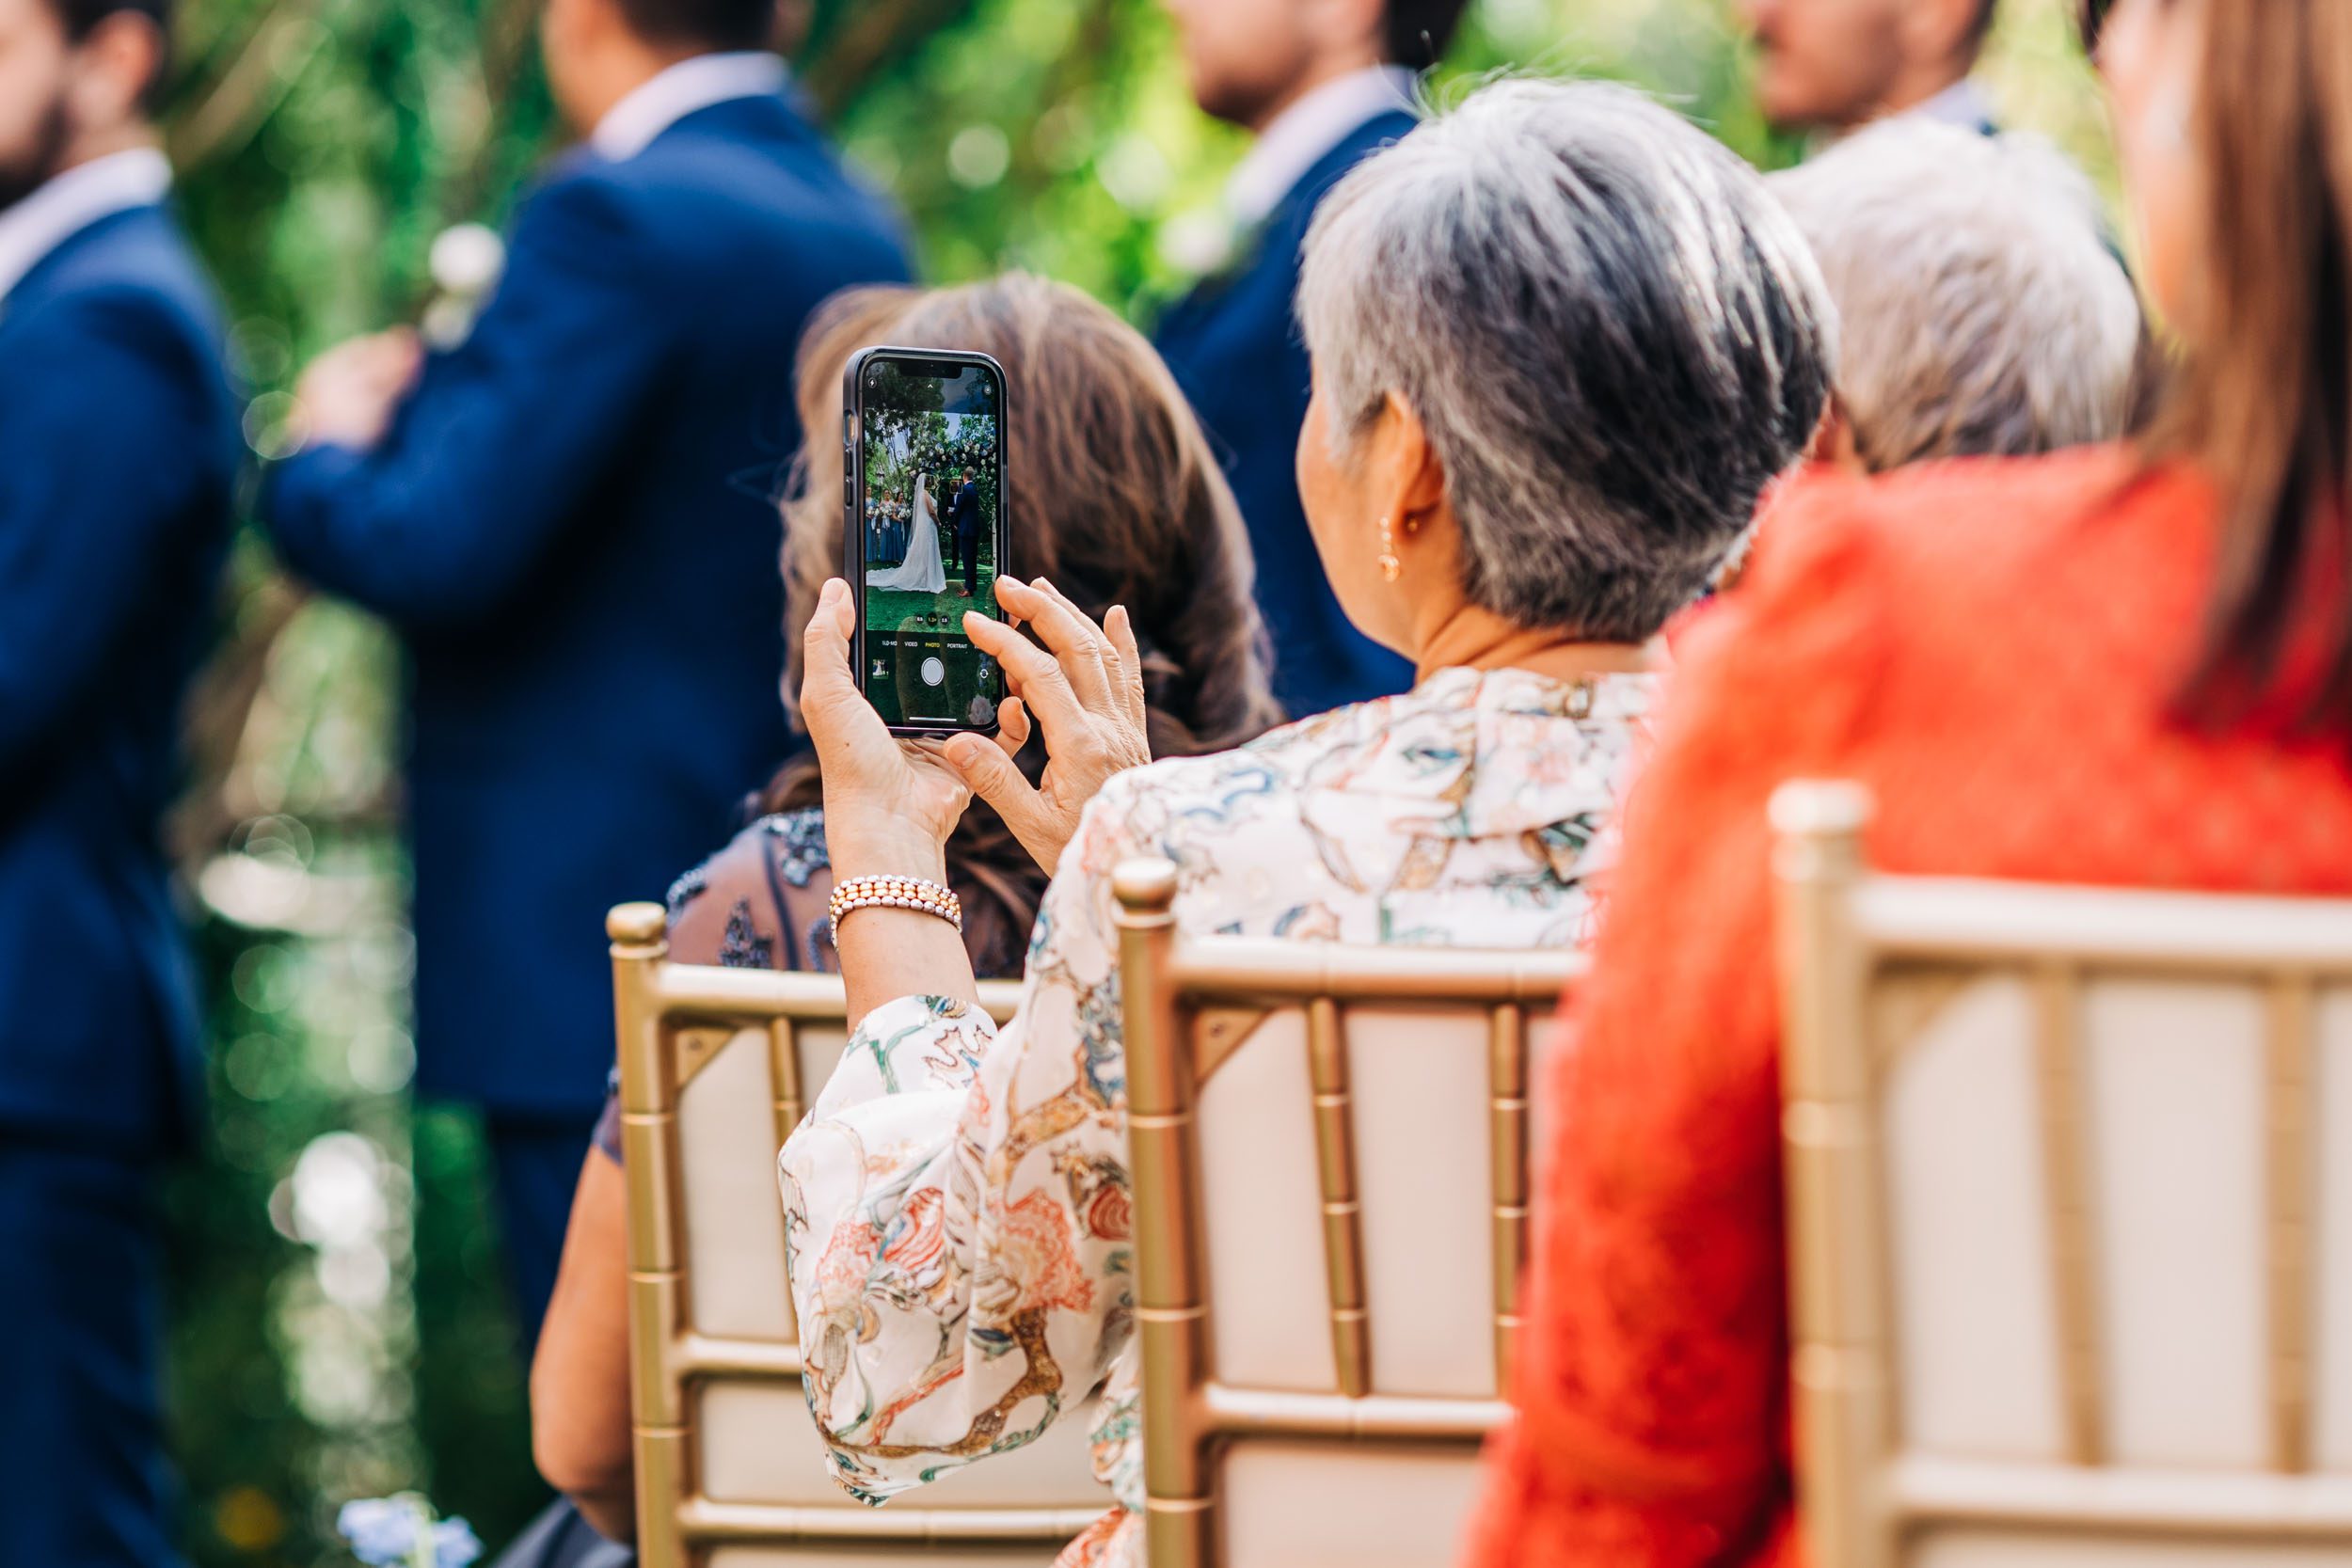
[1981,310]
[1613,335]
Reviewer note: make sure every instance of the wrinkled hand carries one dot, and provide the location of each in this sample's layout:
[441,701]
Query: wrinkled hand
[889,804]
[1085,690]
[348,393]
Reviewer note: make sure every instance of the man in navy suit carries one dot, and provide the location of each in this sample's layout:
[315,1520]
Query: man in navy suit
[1834,66]
[119,452]
[1325,84]
[569,517]
[963,515]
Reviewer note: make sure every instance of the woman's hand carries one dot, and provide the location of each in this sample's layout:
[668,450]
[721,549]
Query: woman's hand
[889,804]
[1086,694]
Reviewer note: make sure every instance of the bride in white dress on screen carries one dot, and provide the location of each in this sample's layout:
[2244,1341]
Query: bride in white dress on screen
[922,571]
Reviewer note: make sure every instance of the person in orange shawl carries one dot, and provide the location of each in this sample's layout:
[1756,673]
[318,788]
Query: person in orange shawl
[2119,667]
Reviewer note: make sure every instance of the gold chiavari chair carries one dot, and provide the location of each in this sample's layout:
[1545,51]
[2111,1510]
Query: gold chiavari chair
[716,1067]
[2069,1176]
[1329,1151]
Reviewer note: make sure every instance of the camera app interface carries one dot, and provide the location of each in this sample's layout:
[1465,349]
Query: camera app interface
[928,536]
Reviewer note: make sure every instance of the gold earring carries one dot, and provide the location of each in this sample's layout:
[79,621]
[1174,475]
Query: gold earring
[1390,567]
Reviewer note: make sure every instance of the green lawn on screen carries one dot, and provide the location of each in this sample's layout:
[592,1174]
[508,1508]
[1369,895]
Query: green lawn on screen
[889,611]
[900,694]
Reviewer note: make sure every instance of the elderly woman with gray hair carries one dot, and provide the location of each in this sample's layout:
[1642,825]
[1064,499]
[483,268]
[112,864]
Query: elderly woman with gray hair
[1980,311]
[1562,342]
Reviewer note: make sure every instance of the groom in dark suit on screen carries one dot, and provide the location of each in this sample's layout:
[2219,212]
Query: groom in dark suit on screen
[568,520]
[118,454]
[1325,84]
[963,516]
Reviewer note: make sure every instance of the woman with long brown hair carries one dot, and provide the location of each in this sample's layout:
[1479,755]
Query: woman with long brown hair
[1113,494]
[2130,667]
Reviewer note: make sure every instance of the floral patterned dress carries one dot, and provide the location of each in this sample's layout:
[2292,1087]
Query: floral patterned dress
[759,903]
[957,1206]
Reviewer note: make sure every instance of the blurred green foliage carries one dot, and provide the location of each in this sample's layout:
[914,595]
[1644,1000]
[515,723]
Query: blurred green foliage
[340,1321]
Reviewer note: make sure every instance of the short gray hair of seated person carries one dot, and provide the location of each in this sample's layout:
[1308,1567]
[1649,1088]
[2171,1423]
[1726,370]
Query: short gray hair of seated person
[1980,311]
[1613,334]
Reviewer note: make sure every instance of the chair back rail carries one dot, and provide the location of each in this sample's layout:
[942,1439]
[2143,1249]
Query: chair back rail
[717,1410]
[1335,1040]
[2068,1243]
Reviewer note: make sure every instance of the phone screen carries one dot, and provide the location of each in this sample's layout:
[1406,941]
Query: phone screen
[926,516]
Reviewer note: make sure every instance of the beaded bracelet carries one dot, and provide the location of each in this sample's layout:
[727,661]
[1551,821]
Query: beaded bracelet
[893,893]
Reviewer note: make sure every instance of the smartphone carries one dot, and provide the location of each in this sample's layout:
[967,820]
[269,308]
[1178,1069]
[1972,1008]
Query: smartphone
[923,537]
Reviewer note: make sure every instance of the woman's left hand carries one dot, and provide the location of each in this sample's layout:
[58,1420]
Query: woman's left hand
[889,804]
[1085,690]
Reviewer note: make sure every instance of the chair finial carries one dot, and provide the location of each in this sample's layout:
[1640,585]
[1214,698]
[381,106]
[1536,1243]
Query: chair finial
[1145,886]
[638,924]
[1814,807]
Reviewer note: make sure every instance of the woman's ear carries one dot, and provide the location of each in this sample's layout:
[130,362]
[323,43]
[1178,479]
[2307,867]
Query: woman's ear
[1420,473]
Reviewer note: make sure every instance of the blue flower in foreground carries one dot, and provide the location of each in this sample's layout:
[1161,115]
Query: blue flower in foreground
[382,1530]
[400,1532]
[455,1544]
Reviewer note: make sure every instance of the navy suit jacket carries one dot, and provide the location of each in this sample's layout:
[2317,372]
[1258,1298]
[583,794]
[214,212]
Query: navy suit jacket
[1234,346]
[963,512]
[118,454]
[571,521]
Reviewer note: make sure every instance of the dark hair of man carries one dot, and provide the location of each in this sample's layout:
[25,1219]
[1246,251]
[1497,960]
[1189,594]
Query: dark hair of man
[1416,33]
[82,17]
[702,23]
[2094,22]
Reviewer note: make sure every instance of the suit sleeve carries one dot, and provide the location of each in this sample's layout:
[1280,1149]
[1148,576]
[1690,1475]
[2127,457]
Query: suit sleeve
[103,456]
[501,437]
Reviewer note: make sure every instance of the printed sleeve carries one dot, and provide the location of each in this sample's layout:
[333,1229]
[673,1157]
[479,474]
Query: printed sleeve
[957,1210]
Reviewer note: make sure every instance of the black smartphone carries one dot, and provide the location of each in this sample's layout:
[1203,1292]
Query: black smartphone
[922,491]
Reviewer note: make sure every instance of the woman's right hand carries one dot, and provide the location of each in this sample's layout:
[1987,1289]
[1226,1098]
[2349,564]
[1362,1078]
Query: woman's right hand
[1084,688]
[889,804]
